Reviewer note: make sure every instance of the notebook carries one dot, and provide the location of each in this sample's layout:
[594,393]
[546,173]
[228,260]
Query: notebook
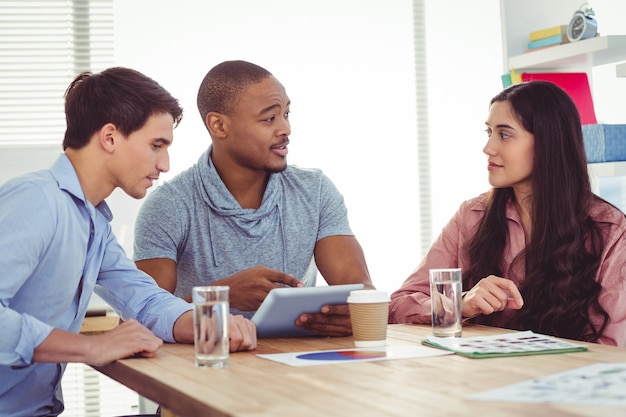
[576,85]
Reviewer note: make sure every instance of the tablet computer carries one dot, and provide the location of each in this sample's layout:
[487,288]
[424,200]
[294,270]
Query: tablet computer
[282,306]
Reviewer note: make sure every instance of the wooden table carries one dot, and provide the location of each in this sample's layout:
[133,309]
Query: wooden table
[434,386]
[99,324]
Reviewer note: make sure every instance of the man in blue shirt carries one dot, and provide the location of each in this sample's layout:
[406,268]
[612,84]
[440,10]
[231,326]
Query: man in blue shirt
[57,247]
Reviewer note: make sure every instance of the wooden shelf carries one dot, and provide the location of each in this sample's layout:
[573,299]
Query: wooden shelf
[589,52]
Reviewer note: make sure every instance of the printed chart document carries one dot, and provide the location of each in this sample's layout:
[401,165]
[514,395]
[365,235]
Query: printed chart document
[327,357]
[509,344]
[597,384]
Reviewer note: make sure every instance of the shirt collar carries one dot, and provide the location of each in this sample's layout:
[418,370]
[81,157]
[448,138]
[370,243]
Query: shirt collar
[65,175]
[480,204]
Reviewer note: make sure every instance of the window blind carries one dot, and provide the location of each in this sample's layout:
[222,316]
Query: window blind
[88,393]
[44,44]
[423,135]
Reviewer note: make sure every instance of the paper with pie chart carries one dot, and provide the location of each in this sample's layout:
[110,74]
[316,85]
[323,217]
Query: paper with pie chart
[327,357]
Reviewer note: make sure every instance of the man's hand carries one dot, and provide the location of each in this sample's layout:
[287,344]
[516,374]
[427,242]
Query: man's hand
[241,334]
[248,288]
[128,339]
[332,320]
[491,294]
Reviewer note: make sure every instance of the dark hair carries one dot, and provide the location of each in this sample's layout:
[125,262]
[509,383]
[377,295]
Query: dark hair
[220,89]
[563,256]
[121,96]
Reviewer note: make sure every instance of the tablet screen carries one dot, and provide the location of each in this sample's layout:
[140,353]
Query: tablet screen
[282,306]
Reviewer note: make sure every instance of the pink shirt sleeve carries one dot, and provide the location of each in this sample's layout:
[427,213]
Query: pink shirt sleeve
[612,277]
[411,303]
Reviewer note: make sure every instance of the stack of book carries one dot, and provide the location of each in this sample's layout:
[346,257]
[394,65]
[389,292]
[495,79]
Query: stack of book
[555,35]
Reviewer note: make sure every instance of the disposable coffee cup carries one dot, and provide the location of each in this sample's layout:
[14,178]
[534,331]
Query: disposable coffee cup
[369,312]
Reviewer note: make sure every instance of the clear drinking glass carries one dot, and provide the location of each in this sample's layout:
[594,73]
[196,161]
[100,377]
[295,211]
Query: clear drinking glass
[210,323]
[445,293]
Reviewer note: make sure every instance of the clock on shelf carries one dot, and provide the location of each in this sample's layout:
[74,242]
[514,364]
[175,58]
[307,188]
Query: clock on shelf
[583,25]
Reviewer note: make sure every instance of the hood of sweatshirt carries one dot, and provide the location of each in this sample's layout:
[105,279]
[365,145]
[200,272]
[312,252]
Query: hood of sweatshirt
[252,223]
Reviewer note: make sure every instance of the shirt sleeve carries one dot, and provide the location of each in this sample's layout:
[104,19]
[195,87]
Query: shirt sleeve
[134,294]
[21,203]
[411,303]
[612,277]
[158,228]
[333,211]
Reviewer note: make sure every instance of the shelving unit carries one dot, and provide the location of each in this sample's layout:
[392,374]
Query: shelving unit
[519,18]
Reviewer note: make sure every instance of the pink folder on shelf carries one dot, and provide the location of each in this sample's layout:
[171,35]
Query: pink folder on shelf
[576,84]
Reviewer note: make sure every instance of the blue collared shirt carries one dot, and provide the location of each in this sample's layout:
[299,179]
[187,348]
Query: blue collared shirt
[56,249]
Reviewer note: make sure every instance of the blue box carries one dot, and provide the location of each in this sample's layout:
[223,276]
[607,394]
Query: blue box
[604,142]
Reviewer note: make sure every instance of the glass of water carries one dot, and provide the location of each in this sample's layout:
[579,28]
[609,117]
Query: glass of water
[210,323]
[445,294]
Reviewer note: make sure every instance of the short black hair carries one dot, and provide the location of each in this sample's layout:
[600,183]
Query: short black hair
[222,85]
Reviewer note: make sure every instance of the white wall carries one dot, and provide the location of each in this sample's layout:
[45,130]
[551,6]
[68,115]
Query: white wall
[464,68]
[347,66]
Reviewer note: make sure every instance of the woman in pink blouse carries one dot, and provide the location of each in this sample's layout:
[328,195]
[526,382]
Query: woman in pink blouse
[539,251]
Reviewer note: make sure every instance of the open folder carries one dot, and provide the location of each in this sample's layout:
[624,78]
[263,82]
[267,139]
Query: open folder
[508,344]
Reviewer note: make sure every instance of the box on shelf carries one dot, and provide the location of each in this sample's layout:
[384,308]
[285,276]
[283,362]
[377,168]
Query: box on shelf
[549,41]
[605,142]
[547,32]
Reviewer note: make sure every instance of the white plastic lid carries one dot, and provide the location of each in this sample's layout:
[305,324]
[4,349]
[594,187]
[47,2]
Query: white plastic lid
[368,296]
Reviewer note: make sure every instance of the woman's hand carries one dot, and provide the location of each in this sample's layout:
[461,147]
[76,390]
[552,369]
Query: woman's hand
[491,294]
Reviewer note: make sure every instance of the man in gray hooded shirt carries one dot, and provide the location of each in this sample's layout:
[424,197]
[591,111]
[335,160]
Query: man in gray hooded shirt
[244,218]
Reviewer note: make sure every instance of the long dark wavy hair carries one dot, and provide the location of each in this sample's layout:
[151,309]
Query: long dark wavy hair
[563,256]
